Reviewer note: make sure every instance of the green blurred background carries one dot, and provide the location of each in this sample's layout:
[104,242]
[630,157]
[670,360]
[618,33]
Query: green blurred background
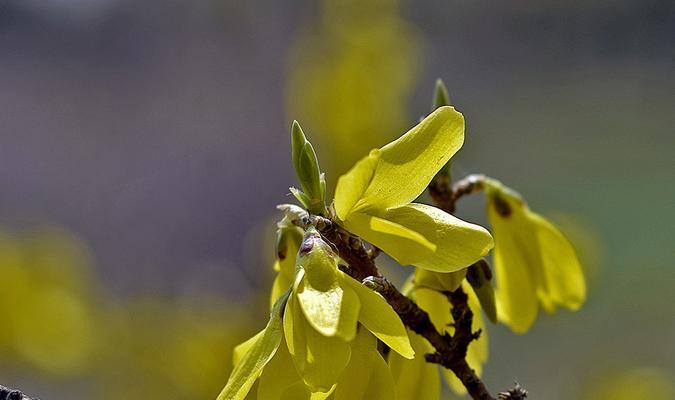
[144,145]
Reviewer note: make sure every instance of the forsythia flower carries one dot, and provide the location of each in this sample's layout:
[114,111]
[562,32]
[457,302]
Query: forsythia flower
[534,263]
[417,379]
[317,320]
[322,314]
[374,199]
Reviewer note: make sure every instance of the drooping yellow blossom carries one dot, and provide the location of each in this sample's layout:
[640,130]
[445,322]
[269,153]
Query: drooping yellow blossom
[374,199]
[534,263]
[321,313]
[416,373]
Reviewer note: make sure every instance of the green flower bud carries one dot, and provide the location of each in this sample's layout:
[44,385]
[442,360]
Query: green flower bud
[441,97]
[307,170]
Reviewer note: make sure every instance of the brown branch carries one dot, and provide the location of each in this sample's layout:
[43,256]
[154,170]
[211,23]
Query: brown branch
[450,350]
[517,393]
[10,394]
[353,251]
[445,194]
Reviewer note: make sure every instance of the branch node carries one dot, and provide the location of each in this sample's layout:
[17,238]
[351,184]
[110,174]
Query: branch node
[517,393]
[11,394]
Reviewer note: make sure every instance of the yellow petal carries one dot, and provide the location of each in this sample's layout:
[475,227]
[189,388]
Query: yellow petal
[459,243]
[259,353]
[437,280]
[436,305]
[400,171]
[243,348]
[416,378]
[403,244]
[328,306]
[517,264]
[326,359]
[279,286]
[423,236]
[321,307]
[352,185]
[319,360]
[380,319]
[367,377]
[332,312]
[280,381]
[349,314]
[290,335]
[562,271]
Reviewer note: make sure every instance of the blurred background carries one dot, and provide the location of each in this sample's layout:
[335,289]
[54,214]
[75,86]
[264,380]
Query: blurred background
[144,145]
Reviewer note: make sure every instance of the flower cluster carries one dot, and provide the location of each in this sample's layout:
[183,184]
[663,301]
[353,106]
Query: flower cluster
[331,337]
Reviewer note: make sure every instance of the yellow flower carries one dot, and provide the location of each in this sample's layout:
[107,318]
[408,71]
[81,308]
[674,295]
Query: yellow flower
[322,314]
[418,379]
[374,199]
[534,263]
[318,319]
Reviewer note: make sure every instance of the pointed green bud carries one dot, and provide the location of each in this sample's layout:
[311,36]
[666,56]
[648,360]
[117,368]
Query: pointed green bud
[441,97]
[307,169]
[322,181]
[479,276]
